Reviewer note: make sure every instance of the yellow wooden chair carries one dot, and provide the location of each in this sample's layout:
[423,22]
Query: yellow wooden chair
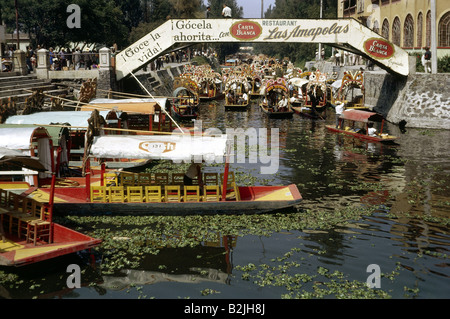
[153,194]
[172,193]
[191,193]
[110,179]
[211,193]
[177,178]
[3,198]
[161,178]
[99,194]
[40,229]
[135,194]
[127,179]
[144,179]
[230,179]
[116,194]
[210,179]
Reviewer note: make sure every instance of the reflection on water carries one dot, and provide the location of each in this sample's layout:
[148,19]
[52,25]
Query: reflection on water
[407,180]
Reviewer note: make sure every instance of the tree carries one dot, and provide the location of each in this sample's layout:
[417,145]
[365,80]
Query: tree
[46,21]
[296,9]
[217,7]
[182,9]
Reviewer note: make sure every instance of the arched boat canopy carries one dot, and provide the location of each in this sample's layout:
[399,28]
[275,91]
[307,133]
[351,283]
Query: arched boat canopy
[142,106]
[183,148]
[73,118]
[361,116]
[21,138]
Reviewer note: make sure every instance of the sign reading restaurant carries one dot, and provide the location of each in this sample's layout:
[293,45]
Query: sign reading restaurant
[342,31]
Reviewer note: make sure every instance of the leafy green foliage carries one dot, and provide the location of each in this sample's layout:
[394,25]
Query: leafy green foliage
[298,53]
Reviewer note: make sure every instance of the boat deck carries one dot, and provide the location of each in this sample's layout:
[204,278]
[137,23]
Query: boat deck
[16,251]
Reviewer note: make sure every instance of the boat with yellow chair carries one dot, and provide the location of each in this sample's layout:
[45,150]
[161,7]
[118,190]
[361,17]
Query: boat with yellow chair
[164,193]
[28,233]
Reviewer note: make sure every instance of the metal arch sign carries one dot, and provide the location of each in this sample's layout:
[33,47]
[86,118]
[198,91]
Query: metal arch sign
[339,31]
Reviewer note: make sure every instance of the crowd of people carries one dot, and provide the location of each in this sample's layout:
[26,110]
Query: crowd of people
[61,59]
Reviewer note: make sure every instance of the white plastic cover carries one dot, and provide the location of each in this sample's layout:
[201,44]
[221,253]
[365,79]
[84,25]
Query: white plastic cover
[16,138]
[178,148]
[74,118]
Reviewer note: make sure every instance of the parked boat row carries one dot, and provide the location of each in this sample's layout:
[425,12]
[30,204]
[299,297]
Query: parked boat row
[71,162]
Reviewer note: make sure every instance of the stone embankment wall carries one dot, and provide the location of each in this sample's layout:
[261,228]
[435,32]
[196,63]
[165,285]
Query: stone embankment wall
[421,100]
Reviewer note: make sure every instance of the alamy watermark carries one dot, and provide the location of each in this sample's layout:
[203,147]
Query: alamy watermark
[74,279]
[74,19]
[251,145]
[374,280]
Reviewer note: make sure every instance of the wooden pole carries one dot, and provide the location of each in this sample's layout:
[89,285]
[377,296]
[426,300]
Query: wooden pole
[225,173]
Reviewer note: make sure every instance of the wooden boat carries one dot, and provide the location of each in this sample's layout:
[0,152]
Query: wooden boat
[296,96]
[129,116]
[351,91]
[236,93]
[28,233]
[274,91]
[366,118]
[309,113]
[257,84]
[314,94]
[159,193]
[184,104]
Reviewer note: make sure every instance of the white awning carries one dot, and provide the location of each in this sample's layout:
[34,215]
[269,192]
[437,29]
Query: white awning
[16,138]
[74,118]
[186,148]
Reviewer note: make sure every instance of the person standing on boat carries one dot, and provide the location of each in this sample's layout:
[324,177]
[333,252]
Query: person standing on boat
[371,130]
[339,109]
[194,170]
[244,98]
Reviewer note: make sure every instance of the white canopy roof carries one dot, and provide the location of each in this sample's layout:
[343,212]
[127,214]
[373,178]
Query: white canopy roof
[74,118]
[186,148]
[16,138]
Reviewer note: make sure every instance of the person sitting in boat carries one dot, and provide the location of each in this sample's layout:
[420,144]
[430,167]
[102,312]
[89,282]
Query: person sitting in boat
[240,99]
[245,98]
[192,172]
[371,130]
[282,105]
[230,97]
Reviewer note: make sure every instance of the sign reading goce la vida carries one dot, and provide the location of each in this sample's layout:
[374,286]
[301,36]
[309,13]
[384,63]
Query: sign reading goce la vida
[379,48]
[228,30]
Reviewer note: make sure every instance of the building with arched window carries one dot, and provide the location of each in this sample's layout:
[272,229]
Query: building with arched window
[405,23]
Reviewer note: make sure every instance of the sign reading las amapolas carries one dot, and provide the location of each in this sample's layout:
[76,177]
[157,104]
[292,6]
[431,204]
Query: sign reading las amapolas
[341,33]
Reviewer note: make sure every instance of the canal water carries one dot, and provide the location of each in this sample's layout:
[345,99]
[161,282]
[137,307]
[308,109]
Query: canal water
[371,213]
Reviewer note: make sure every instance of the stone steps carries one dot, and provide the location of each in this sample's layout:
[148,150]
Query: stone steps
[21,87]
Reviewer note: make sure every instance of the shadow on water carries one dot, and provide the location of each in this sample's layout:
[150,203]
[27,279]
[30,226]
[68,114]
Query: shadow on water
[299,255]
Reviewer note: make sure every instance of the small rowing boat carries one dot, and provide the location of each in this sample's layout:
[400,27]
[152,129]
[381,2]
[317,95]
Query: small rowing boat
[368,132]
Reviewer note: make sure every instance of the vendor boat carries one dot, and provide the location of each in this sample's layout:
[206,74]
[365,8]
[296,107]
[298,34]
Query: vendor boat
[366,118]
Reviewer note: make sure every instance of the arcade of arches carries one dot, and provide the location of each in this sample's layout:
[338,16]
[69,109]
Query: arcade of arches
[404,23]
